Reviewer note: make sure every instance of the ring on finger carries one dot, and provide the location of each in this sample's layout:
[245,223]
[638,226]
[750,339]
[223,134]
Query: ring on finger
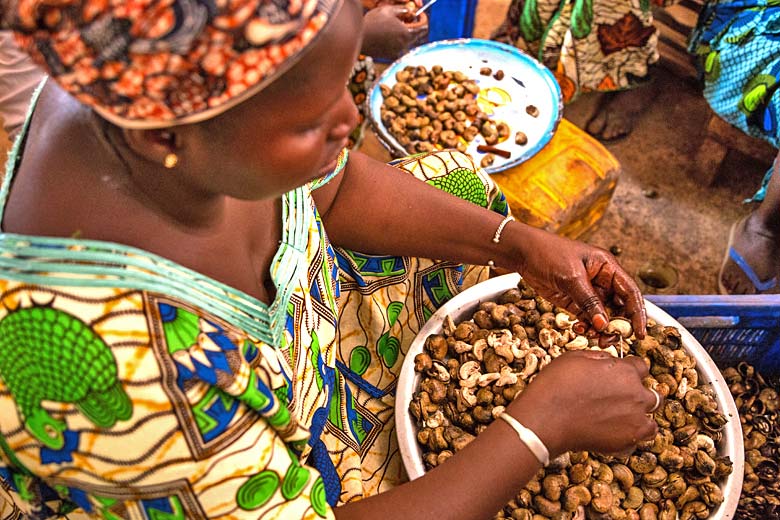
[657,401]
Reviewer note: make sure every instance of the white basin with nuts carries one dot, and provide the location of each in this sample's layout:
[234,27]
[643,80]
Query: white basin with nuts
[463,306]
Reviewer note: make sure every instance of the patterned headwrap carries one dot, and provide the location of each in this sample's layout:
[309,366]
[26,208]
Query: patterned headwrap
[158,63]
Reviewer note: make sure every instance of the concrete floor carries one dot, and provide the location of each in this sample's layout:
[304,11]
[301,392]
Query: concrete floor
[686,225]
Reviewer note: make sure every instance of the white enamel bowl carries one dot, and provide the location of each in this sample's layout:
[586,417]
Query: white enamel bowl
[462,307]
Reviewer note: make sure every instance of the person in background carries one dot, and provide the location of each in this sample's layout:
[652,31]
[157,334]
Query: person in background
[18,78]
[386,37]
[207,298]
[739,51]
[605,46]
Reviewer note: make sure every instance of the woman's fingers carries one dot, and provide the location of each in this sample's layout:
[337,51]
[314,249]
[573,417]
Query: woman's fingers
[634,304]
[588,301]
[639,365]
[648,430]
[609,278]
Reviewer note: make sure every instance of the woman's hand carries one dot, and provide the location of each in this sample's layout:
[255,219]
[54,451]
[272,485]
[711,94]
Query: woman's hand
[579,277]
[386,36]
[588,400]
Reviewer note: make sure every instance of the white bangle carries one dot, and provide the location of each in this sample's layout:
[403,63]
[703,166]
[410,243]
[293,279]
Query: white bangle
[497,235]
[529,438]
[500,229]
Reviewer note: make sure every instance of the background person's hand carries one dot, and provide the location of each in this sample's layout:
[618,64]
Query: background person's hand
[588,400]
[386,36]
[581,278]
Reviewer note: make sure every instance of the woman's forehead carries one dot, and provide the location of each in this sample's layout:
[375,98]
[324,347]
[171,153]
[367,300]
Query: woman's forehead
[337,47]
[317,78]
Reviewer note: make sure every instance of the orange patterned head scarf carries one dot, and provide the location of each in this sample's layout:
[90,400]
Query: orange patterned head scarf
[158,63]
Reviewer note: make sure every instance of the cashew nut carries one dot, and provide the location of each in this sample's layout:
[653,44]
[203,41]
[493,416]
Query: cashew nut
[507,377]
[479,349]
[620,326]
[486,379]
[578,343]
[531,364]
[564,321]
[468,396]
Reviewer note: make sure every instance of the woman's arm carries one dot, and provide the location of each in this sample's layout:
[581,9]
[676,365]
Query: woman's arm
[567,406]
[18,78]
[377,209]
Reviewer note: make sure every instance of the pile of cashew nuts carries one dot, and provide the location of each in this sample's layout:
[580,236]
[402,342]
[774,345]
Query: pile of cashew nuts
[473,369]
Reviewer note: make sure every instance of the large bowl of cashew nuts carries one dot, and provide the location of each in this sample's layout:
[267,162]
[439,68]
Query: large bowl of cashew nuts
[480,349]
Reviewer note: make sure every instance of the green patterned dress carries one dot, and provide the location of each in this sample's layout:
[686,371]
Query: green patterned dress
[589,45]
[133,387]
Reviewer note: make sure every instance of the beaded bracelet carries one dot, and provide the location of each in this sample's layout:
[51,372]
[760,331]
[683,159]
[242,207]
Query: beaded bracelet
[529,438]
[497,236]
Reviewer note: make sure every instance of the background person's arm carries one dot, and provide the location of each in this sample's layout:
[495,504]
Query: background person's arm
[18,78]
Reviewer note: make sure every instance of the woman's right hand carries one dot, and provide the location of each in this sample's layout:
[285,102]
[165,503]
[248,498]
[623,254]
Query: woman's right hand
[588,400]
[386,36]
[583,400]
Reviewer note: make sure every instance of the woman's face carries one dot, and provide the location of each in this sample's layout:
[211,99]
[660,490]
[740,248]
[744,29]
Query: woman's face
[292,131]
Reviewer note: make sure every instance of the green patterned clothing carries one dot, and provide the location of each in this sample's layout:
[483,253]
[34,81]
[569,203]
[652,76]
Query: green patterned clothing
[589,45]
[133,387]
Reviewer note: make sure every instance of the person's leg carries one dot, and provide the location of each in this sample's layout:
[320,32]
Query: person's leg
[752,261]
[618,112]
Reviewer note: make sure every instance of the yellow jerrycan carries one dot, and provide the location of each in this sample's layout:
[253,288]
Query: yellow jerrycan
[565,188]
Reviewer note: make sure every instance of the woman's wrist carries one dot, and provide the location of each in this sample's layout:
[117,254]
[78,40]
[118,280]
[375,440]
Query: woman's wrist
[540,416]
[528,438]
[512,248]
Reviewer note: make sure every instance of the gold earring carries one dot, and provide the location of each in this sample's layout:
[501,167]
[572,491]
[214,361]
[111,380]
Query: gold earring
[171,160]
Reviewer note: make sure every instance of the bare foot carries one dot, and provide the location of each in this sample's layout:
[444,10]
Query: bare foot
[758,250]
[617,112]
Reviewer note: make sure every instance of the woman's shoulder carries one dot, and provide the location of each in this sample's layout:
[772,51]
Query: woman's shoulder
[56,184]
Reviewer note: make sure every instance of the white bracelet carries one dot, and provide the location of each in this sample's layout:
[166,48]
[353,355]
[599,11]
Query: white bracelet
[501,226]
[497,235]
[529,438]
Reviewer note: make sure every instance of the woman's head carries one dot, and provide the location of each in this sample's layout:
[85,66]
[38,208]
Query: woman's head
[157,63]
[289,133]
[285,133]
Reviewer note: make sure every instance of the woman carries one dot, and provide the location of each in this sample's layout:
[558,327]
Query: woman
[180,336]
[385,37]
[608,46]
[739,47]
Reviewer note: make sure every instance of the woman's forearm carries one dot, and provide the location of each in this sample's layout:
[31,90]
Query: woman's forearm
[382,210]
[473,484]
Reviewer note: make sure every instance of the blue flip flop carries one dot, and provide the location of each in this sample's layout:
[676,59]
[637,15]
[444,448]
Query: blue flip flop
[733,254]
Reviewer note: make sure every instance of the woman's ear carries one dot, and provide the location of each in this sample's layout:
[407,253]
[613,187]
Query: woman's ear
[160,146]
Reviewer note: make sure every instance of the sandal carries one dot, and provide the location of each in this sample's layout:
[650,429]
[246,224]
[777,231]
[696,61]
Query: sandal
[770,286]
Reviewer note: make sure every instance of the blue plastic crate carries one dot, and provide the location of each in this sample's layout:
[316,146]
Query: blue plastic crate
[451,19]
[731,328]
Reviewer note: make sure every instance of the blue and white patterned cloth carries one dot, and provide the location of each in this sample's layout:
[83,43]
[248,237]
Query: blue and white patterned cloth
[738,43]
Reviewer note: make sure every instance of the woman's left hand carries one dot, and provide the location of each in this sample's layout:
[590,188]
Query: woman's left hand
[580,278]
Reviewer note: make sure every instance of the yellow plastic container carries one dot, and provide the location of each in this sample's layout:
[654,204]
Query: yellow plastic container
[566,187]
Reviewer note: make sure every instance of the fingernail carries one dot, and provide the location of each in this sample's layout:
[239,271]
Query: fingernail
[599,321]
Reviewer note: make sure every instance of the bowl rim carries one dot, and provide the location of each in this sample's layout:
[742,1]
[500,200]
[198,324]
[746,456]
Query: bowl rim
[395,148]
[464,304]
